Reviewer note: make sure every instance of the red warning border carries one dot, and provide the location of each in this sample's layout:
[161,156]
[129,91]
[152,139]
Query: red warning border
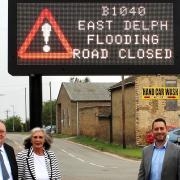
[45,14]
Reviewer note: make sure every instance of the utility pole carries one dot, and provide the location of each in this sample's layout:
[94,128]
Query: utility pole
[26,125]
[123,115]
[7,113]
[13,116]
[51,103]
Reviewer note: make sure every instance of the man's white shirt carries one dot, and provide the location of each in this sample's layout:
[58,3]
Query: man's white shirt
[6,162]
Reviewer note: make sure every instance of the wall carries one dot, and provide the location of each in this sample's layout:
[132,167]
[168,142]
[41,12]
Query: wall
[129,115]
[91,125]
[148,110]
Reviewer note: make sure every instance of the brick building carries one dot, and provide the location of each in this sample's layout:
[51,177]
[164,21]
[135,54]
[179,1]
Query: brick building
[95,121]
[140,113]
[84,108]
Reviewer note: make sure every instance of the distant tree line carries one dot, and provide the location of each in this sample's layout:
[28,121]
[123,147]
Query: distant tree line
[46,113]
[16,124]
[78,80]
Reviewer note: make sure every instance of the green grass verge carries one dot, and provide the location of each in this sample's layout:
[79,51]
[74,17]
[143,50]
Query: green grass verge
[23,133]
[129,152]
[55,135]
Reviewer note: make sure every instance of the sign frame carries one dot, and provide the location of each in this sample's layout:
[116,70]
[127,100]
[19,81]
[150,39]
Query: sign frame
[21,70]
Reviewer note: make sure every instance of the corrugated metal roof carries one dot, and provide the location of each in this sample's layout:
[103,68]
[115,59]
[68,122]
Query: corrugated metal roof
[88,91]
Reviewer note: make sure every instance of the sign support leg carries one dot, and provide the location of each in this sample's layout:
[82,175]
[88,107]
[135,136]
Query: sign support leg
[35,97]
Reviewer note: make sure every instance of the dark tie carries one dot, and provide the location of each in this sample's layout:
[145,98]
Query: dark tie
[3,167]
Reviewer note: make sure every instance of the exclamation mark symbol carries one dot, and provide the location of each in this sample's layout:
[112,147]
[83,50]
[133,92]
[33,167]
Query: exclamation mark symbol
[46,29]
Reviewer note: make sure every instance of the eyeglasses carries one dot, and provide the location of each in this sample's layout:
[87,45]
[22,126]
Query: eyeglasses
[40,137]
[1,131]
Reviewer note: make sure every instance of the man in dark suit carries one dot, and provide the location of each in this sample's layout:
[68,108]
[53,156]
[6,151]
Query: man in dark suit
[8,165]
[160,160]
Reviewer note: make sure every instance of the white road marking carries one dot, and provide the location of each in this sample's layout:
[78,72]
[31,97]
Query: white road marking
[64,150]
[72,155]
[82,160]
[96,165]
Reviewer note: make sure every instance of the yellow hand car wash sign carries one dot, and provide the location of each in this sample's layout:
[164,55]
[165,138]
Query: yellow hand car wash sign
[160,93]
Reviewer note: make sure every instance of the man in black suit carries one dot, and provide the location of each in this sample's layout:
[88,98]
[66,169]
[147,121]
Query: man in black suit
[8,165]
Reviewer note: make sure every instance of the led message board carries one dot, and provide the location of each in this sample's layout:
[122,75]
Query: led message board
[93,38]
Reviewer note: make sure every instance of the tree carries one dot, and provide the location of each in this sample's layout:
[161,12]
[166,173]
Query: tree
[86,80]
[16,120]
[77,80]
[46,113]
[26,125]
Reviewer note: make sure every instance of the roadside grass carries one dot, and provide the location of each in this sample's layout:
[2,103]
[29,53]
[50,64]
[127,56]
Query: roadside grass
[23,133]
[55,135]
[129,152]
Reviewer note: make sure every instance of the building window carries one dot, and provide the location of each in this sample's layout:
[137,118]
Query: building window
[63,116]
[171,105]
[68,120]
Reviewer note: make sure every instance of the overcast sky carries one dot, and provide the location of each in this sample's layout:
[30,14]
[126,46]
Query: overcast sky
[12,88]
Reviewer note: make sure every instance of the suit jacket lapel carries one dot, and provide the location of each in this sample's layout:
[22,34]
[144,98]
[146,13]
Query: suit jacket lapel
[30,164]
[48,164]
[149,158]
[9,155]
[166,156]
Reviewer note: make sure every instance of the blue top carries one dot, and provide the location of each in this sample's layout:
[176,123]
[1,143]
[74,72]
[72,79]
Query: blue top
[157,162]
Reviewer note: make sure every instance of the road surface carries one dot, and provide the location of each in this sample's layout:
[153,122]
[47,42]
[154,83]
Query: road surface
[78,162]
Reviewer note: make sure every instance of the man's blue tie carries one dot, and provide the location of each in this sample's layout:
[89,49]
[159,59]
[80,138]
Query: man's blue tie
[3,168]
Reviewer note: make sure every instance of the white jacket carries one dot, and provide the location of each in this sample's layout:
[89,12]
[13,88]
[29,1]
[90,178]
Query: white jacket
[26,168]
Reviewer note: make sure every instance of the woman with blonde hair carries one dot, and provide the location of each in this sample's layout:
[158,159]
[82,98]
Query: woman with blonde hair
[37,162]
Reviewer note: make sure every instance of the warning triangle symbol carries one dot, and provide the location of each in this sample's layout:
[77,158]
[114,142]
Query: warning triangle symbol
[45,15]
